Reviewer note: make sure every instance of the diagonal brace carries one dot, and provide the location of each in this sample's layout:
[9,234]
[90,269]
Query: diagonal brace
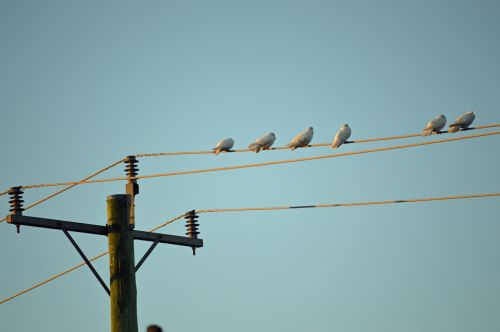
[86,261]
[143,259]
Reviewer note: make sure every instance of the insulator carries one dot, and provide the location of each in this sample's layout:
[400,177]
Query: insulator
[131,168]
[16,202]
[192,227]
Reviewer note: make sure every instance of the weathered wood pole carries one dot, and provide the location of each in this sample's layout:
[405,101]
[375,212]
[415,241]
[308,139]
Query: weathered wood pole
[121,265]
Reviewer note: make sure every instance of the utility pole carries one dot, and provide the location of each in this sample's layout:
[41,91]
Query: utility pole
[121,265]
[121,235]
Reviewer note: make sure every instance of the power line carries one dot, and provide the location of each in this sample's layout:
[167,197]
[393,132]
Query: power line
[60,274]
[85,181]
[263,163]
[69,187]
[211,152]
[158,154]
[416,200]
[242,150]
[54,277]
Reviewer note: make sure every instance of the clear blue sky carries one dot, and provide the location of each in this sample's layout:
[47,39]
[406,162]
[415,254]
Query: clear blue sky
[83,84]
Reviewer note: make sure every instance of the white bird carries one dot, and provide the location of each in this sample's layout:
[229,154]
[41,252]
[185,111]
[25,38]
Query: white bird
[435,125]
[263,143]
[223,145]
[342,136]
[302,139]
[462,122]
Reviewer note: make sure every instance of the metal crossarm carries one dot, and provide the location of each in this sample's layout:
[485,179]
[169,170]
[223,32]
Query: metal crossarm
[166,238]
[57,224]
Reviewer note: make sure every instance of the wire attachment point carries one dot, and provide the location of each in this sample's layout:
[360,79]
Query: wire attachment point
[192,226]
[16,202]
[132,170]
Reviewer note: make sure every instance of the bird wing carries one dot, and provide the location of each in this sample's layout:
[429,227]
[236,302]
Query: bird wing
[263,140]
[224,144]
[461,120]
[345,133]
[468,119]
[228,144]
[432,126]
[307,137]
[440,123]
[266,141]
[342,135]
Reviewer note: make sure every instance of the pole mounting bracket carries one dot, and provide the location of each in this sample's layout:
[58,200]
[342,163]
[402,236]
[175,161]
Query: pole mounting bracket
[143,259]
[91,267]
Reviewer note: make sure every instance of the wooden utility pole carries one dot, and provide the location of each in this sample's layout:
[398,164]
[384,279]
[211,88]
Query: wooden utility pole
[121,265]
[121,235]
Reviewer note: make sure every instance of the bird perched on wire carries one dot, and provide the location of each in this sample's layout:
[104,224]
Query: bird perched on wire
[302,139]
[263,143]
[342,136]
[435,125]
[462,122]
[224,145]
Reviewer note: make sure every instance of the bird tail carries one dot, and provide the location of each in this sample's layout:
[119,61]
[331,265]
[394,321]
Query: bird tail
[427,132]
[453,128]
[336,143]
[217,151]
[254,147]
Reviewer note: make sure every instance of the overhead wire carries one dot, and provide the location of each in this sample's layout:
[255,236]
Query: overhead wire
[60,274]
[85,181]
[217,169]
[417,200]
[69,186]
[54,277]
[177,153]
[330,205]
[241,150]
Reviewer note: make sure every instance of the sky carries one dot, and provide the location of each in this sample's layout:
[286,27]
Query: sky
[83,84]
